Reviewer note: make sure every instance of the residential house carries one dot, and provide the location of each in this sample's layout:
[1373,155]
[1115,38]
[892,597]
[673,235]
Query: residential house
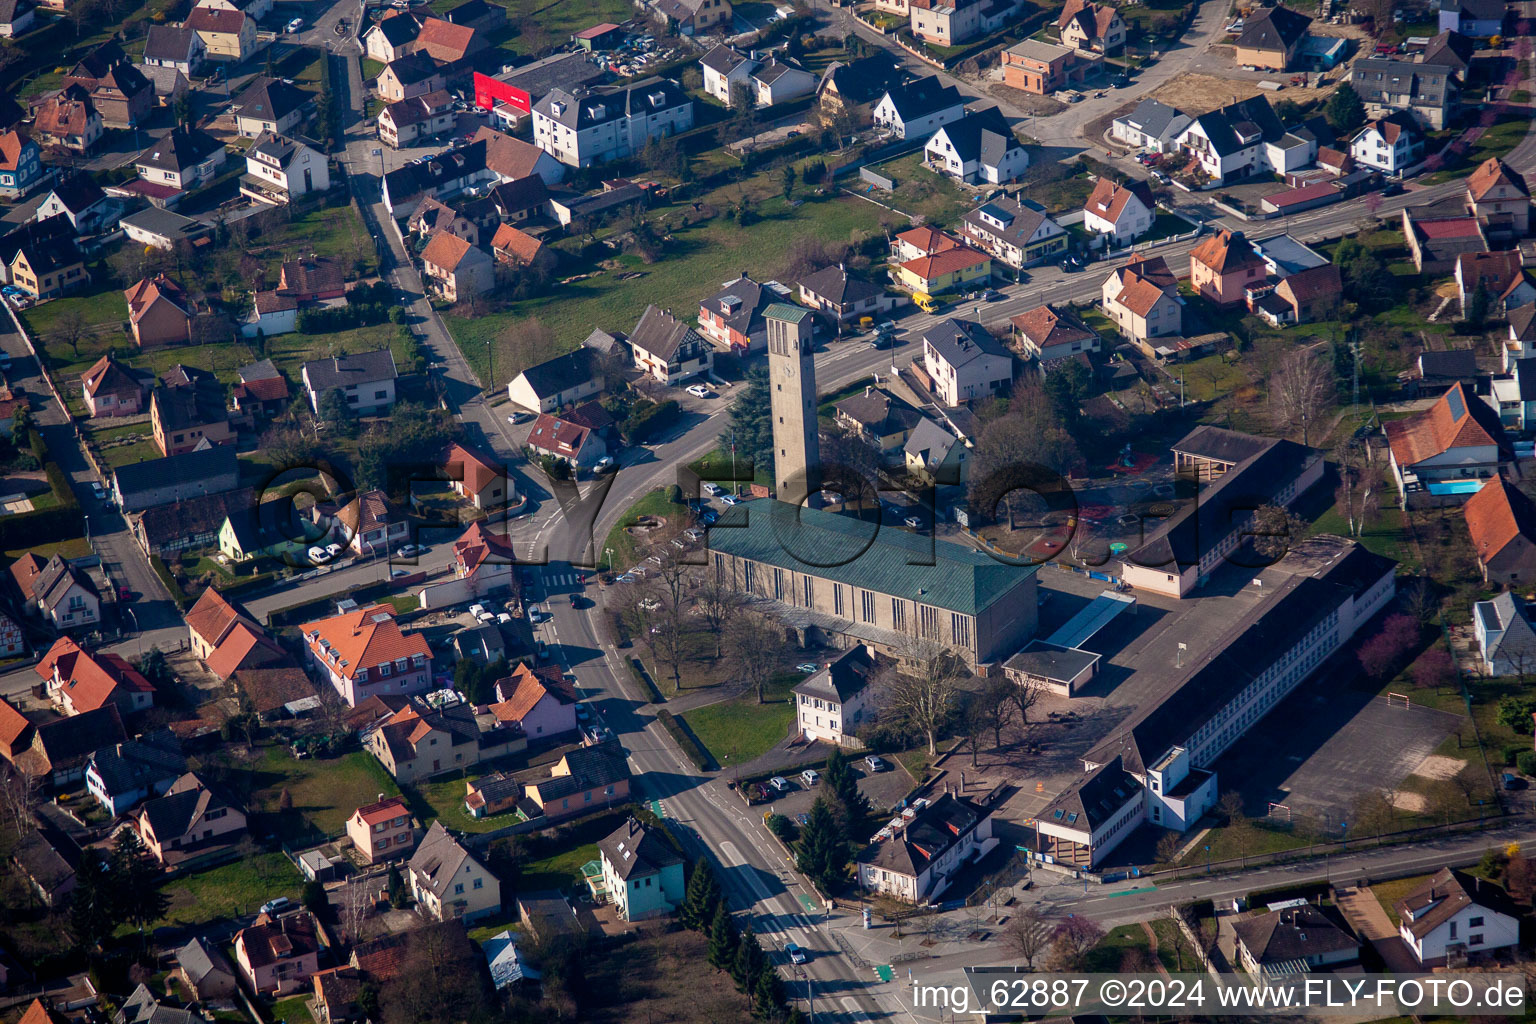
[1018,233]
[69,120]
[1454,913]
[113,389]
[1438,370]
[78,198]
[1498,197]
[382,830]
[878,418]
[1430,92]
[122,775]
[481,16]
[1448,451]
[1085,25]
[1244,139]
[642,873]
[667,349]
[21,164]
[204,971]
[172,46]
[478,478]
[412,120]
[583,780]
[1506,641]
[192,522]
[415,74]
[47,267]
[370,524]
[77,680]
[277,956]
[17,17]
[227,35]
[924,240]
[58,751]
[420,741]
[1152,125]
[1479,19]
[1500,276]
[365,379]
[918,108]
[577,446]
[364,652]
[226,639]
[1389,144]
[733,316]
[952,22]
[271,106]
[833,292]
[935,456]
[279,170]
[1120,212]
[455,269]
[596,125]
[947,270]
[727,71]
[313,278]
[563,380]
[511,95]
[184,158]
[1142,298]
[1312,294]
[1453,50]
[1435,240]
[544,706]
[141,485]
[977,148]
[1501,520]
[187,415]
[392,37]
[48,857]
[160,313]
[118,90]
[1043,68]
[261,390]
[449,882]
[1277,944]
[11,640]
[490,795]
[191,822]
[1271,38]
[964,362]
[779,81]
[692,17]
[849,90]
[1521,343]
[142,1007]
[63,594]
[1047,334]
[919,856]
[1223,265]
[164,229]
[522,199]
[830,703]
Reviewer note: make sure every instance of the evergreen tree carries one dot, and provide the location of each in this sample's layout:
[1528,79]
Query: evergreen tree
[703,895]
[768,996]
[752,425]
[795,1017]
[135,879]
[749,962]
[722,939]
[314,899]
[92,914]
[399,896]
[1344,111]
[822,854]
[853,806]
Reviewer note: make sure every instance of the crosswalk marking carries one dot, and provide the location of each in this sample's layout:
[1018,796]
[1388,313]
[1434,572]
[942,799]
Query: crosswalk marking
[564,579]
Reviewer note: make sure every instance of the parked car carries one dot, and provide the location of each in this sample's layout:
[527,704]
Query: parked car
[875,763]
[98,491]
[407,550]
[913,521]
[519,417]
[807,667]
[810,776]
[316,554]
[604,465]
[730,499]
[699,391]
[1513,781]
[714,490]
[708,517]
[795,953]
[296,25]
[396,574]
[334,550]
[276,906]
[779,783]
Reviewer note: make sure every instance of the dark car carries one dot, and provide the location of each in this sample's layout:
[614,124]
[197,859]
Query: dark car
[1512,781]
[1394,188]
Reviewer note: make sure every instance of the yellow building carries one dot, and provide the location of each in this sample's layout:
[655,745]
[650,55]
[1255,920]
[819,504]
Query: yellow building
[945,270]
[48,268]
[226,35]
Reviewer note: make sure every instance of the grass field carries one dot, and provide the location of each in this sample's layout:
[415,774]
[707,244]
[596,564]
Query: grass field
[325,792]
[443,800]
[557,871]
[1388,893]
[738,731]
[1497,140]
[293,1010]
[622,544]
[231,890]
[289,352]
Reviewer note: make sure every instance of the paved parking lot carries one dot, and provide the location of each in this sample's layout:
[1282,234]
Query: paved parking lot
[884,789]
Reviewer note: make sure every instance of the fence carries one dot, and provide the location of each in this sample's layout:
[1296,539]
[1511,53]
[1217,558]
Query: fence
[877,179]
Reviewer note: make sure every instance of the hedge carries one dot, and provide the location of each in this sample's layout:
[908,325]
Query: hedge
[638,671]
[60,485]
[326,319]
[1308,891]
[240,586]
[691,747]
[646,420]
[178,595]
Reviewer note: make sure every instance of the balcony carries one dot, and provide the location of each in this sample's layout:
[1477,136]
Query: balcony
[262,190]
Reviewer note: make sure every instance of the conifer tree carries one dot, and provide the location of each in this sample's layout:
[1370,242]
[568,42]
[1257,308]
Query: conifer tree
[722,939]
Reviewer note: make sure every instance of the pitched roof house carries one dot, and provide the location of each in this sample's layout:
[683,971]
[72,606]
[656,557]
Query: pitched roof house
[123,774]
[1502,522]
[918,860]
[1448,451]
[159,311]
[364,651]
[1020,233]
[1270,945]
[278,956]
[544,708]
[365,379]
[1223,265]
[1270,38]
[584,779]
[382,829]
[733,316]
[271,105]
[449,882]
[642,873]
[978,148]
[118,89]
[1501,276]
[183,158]
[69,120]
[564,441]
[1085,25]
[455,269]
[78,680]
[480,478]
[226,639]
[964,362]
[1506,640]
[60,592]
[880,419]
[834,292]
[1124,212]
[667,348]
[1498,196]
[1047,334]
[563,380]
[193,821]
[204,969]
[1456,913]
[114,389]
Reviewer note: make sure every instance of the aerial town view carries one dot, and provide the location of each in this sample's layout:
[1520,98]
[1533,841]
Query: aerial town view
[725,511]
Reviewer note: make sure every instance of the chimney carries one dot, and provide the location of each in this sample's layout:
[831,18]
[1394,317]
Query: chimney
[381,798]
[633,825]
[840,266]
[867,389]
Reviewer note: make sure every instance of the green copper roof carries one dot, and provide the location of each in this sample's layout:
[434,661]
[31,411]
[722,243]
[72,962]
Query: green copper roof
[784,311]
[862,554]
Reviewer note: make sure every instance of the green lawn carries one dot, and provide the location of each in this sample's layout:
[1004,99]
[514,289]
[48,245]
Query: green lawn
[325,791]
[334,230]
[231,890]
[1388,893]
[921,192]
[127,454]
[557,871]
[737,732]
[622,544]
[1383,535]
[1107,955]
[289,352]
[444,800]
[371,69]
[77,547]
[1497,140]
[1227,843]
[538,25]
[695,263]
[293,1010]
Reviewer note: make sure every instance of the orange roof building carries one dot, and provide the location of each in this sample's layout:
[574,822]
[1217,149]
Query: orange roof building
[1446,453]
[921,241]
[478,478]
[945,269]
[1046,334]
[1500,198]
[227,640]
[544,707]
[1502,523]
[382,829]
[1142,298]
[1124,212]
[515,247]
[1222,267]
[78,680]
[364,652]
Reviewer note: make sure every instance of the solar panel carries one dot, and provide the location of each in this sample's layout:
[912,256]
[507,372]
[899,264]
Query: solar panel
[1455,404]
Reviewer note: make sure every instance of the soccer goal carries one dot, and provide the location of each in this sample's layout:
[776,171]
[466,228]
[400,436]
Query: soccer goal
[1280,811]
[1398,700]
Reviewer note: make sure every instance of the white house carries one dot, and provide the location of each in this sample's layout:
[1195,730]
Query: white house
[272,312]
[964,361]
[914,860]
[979,147]
[365,379]
[1271,945]
[592,126]
[831,702]
[279,169]
[1455,913]
[919,108]
[1388,144]
[780,81]
[1152,125]
[1122,213]
[726,69]
[1244,139]
[1505,638]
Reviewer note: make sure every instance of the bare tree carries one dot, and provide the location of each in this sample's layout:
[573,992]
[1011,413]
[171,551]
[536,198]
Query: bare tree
[1028,935]
[921,688]
[1168,847]
[68,329]
[1300,390]
[1446,802]
[997,697]
[1373,813]
[755,645]
[1025,696]
[526,342]
[18,794]
[1421,601]
[1179,945]
[717,605]
[356,907]
[1360,486]
[1275,530]
[668,631]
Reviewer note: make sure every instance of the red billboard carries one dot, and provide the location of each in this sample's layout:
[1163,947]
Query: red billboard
[489,92]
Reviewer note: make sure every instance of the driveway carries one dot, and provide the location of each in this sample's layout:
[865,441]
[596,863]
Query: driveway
[1371,923]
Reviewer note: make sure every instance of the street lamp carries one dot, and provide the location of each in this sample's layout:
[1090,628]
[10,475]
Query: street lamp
[609,552]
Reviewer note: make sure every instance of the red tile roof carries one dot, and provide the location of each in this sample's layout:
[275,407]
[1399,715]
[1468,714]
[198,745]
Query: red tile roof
[90,679]
[362,638]
[445,250]
[25,571]
[109,377]
[144,294]
[477,545]
[12,724]
[1437,430]
[1491,173]
[231,633]
[1496,515]
[478,470]
[928,239]
[445,40]
[524,689]
[1448,227]
[520,245]
[946,261]
[384,810]
[1226,252]
[1045,327]
[1110,199]
[554,435]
